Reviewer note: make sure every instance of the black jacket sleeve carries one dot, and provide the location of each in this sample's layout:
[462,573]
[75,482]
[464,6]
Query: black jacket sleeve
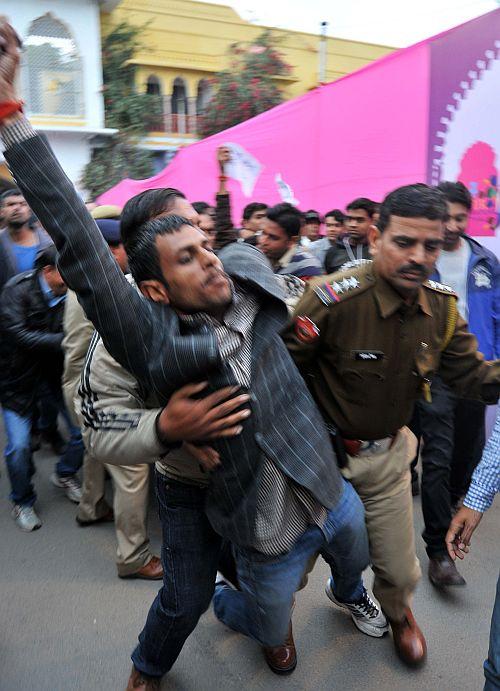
[225,233]
[331,260]
[127,323]
[13,323]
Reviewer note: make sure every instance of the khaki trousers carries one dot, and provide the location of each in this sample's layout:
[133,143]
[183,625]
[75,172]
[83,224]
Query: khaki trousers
[130,502]
[93,504]
[383,482]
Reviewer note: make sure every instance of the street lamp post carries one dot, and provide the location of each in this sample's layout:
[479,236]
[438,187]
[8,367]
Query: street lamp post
[323,53]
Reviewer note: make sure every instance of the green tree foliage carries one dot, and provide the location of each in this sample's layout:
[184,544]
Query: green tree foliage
[131,113]
[247,87]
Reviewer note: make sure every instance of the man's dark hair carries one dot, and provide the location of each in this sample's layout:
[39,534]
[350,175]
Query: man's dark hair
[413,201]
[145,206]
[142,253]
[337,215]
[456,193]
[251,208]
[13,192]
[288,217]
[47,256]
[363,204]
[201,207]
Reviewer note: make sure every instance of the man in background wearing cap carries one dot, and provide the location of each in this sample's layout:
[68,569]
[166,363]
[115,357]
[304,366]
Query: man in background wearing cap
[131,483]
[311,227]
[31,358]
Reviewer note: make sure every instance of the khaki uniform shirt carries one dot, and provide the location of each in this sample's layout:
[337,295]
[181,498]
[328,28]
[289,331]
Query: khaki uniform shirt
[367,354]
[78,331]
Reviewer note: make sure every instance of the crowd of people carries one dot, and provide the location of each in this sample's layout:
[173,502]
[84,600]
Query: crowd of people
[284,383]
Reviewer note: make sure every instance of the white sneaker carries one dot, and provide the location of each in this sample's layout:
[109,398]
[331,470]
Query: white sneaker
[26,518]
[71,486]
[364,612]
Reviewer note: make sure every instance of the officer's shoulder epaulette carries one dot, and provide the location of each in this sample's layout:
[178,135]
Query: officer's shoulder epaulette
[439,288]
[344,284]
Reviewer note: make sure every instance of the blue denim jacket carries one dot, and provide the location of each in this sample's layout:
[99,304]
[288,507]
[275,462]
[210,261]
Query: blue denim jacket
[483,298]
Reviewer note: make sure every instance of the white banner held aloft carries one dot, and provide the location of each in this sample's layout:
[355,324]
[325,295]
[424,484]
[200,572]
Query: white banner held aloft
[285,191]
[242,167]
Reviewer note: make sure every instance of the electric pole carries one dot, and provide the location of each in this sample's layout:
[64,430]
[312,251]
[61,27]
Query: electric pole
[322,54]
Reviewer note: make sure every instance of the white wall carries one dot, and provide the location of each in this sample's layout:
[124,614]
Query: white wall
[82,19]
[73,153]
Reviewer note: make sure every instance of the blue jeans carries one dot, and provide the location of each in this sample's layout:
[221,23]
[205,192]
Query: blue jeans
[492,664]
[47,410]
[71,459]
[189,555]
[19,459]
[263,607]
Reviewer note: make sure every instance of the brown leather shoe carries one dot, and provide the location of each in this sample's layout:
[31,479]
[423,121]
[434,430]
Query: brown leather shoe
[141,682]
[443,572]
[409,641]
[282,659]
[152,571]
[108,517]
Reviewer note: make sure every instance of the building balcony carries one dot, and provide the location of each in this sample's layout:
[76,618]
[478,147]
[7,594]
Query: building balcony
[176,124]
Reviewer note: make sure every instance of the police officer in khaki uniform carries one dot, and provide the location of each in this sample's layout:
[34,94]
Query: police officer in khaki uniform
[368,342]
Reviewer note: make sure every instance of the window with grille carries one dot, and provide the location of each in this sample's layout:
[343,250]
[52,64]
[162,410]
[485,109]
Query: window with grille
[204,95]
[179,97]
[153,86]
[52,69]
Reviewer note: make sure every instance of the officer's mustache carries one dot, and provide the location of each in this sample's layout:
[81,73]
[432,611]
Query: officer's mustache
[413,269]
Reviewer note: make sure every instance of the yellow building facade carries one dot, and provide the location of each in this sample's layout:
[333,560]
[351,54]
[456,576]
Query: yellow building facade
[186,43]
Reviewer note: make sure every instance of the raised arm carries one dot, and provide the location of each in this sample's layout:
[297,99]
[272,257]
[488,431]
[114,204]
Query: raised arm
[225,231]
[125,320]
[85,261]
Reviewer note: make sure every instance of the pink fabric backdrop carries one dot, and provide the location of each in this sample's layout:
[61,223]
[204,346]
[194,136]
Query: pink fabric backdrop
[362,135]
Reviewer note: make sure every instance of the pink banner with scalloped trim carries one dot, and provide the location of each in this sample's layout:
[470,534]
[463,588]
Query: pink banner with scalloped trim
[425,113]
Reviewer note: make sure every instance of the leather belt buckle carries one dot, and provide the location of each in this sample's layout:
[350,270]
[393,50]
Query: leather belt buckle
[373,447]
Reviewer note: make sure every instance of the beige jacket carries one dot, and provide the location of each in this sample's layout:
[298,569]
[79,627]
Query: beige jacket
[78,332]
[119,423]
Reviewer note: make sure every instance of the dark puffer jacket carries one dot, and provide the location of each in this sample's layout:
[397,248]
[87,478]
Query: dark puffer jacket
[30,342]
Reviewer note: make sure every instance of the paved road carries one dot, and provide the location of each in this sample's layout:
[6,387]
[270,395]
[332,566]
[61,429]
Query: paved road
[68,623]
